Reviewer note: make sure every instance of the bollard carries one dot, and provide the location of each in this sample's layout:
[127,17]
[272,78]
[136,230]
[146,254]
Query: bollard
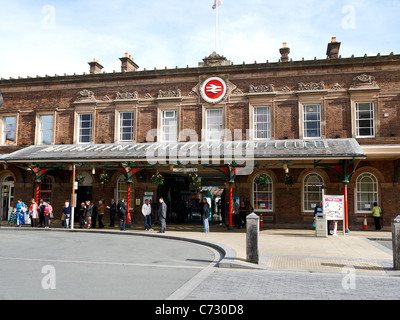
[396,242]
[252,230]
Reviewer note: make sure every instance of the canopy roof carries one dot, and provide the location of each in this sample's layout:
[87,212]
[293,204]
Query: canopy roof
[185,151]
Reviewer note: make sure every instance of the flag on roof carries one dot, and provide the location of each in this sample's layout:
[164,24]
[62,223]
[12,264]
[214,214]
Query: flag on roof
[217,4]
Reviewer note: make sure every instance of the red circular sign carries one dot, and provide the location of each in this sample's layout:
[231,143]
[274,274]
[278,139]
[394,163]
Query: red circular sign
[213,90]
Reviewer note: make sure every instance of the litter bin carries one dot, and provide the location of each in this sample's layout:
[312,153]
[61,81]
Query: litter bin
[321,228]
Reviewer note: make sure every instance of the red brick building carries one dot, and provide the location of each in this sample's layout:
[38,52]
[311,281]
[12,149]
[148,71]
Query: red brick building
[333,122]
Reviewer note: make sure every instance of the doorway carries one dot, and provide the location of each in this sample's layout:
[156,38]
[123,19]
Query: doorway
[7,194]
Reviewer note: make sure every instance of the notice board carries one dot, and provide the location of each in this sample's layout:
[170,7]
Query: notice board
[333,207]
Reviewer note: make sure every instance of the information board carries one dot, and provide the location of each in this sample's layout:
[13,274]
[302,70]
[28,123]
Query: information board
[333,207]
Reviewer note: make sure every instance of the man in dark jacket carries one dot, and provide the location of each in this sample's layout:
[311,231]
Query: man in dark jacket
[122,211]
[162,215]
[205,214]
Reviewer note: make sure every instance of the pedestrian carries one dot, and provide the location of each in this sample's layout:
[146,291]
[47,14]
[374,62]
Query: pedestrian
[113,212]
[162,215]
[42,205]
[236,217]
[33,213]
[81,214]
[376,213]
[242,214]
[205,214]
[67,213]
[122,211]
[48,211]
[100,211]
[146,211]
[94,214]
[88,214]
[21,209]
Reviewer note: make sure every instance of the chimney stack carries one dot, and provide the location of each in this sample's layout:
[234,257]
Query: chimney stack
[284,53]
[128,65]
[95,67]
[333,49]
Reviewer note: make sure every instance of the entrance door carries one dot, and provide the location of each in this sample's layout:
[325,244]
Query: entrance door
[7,195]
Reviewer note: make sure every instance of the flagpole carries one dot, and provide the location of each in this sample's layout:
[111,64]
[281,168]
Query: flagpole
[216,30]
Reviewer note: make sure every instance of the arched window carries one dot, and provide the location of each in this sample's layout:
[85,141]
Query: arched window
[366,192]
[263,195]
[312,191]
[45,189]
[122,190]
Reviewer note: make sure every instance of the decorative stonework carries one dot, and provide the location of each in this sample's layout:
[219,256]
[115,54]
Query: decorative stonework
[127,96]
[85,95]
[311,86]
[337,86]
[261,88]
[286,89]
[364,80]
[169,94]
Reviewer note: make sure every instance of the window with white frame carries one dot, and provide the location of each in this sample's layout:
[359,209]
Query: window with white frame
[262,123]
[85,128]
[312,191]
[46,189]
[122,190]
[365,125]
[9,130]
[367,192]
[126,124]
[312,121]
[169,125]
[263,196]
[214,125]
[46,129]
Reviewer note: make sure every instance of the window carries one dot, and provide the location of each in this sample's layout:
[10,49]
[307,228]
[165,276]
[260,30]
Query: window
[85,128]
[9,130]
[122,190]
[312,121]
[169,126]
[367,192]
[46,129]
[365,120]
[45,189]
[214,125]
[263,196]
[126,126]
[312,192]
[262,123]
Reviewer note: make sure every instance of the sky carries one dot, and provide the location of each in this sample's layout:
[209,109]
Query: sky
[61,37]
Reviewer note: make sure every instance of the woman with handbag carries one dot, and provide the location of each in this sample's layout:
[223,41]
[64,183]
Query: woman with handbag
[48,211]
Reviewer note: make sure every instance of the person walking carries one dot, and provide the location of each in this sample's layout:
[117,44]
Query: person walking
[122,211]
[205,214]
[33,213]
[162,215]
[67,213]
[48,210]
[236,217]
[100,211]
[146,211]
[242,214]
[113,212]
[376,213]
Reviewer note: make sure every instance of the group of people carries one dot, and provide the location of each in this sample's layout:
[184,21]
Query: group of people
[37,214]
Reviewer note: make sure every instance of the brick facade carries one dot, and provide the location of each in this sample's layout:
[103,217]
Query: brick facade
[334,84]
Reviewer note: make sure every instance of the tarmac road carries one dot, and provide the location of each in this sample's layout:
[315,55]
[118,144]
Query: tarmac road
[92,266]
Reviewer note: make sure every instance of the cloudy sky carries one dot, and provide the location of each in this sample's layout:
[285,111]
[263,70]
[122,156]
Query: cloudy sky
[57,37]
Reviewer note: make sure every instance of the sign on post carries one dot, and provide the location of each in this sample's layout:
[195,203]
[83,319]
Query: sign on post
[333,208]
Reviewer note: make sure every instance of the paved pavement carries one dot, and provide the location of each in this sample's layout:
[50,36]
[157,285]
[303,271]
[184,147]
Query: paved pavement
[294,264]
